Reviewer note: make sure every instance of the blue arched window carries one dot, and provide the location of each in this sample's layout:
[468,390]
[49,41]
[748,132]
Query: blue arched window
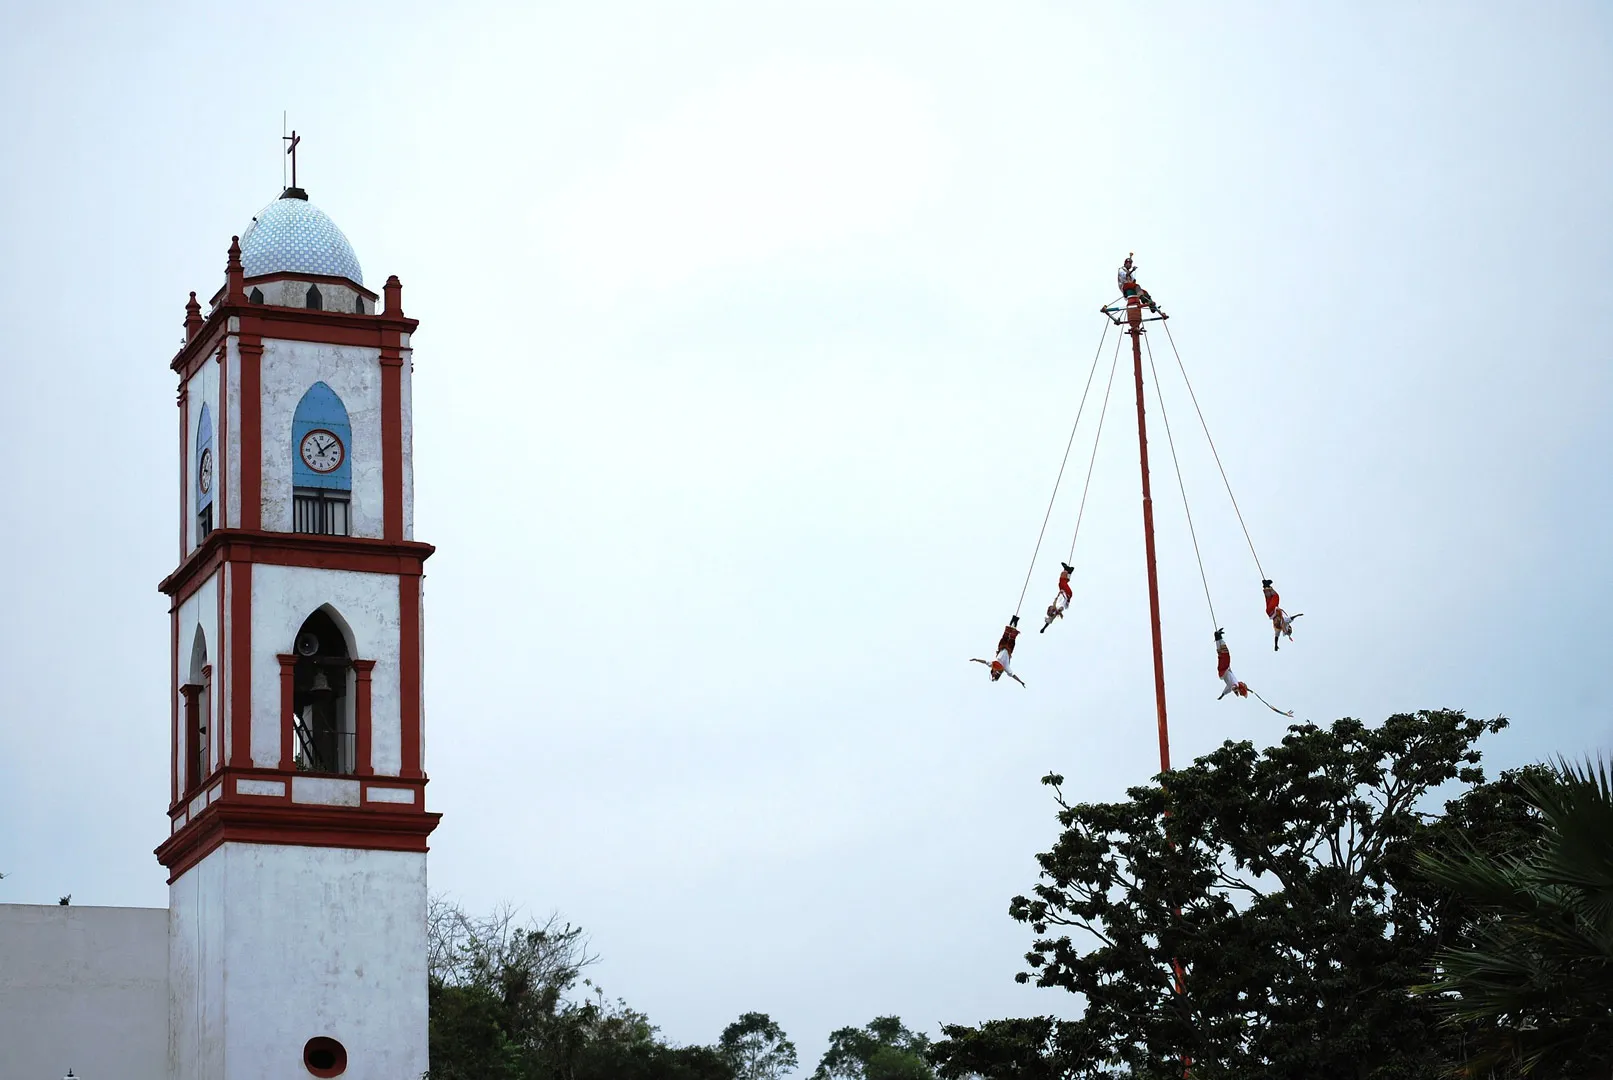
[206,474]
[321,463]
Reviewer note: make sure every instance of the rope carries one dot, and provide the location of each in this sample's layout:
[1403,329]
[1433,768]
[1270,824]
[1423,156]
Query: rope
[1070,559]
[1172,443]
[1269,705]
[1213,450]
[1032,569]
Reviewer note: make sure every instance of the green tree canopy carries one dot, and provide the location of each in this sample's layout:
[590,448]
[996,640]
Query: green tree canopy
[1531,983]
[756,1048]
[1282,884]
[504,1006]
[884,1049]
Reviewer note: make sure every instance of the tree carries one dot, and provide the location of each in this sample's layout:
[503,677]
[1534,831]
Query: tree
[883,1050]
[1031,1048]
[757,1049]
[1280,883]
[503,1008]
[1532,983]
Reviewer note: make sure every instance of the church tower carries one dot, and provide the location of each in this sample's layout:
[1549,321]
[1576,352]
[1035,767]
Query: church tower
[297,851]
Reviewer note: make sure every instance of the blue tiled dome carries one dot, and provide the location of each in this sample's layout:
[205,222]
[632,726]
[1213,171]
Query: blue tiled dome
[292,235]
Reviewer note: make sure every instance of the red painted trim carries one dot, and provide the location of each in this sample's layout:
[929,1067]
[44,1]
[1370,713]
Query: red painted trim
[409,673]
[391,443]
[288,692]
[291,324]
[173,743]
[251,350]
[361,716]
[363,554]
[240,579]
[327,1045]
[192,713]
[215,759]
[322,279]
[272,821]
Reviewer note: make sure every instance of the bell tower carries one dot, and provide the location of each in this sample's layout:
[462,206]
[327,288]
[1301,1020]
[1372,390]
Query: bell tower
[298,827]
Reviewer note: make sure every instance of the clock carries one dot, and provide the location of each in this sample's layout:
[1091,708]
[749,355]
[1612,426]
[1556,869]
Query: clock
[322,451]
[204,470]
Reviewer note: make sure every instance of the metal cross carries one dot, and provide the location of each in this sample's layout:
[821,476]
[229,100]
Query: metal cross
[293,139]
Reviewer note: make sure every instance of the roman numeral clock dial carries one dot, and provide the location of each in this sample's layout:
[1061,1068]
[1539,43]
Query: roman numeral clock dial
[322,451]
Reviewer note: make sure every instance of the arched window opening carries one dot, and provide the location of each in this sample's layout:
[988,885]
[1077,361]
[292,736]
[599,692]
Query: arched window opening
[195,741]
[358,304]
[322,708]
[321,468]
[204,474]
[255,296]
[315,301]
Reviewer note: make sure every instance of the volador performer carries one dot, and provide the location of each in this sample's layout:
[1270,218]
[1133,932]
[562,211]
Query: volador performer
[1005,653]
[1232,684]
[1281,622]
[1061,600]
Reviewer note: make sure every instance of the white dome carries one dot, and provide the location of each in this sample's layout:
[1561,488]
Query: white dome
[292,235]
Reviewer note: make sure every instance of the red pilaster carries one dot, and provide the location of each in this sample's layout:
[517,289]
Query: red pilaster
[240,678]
[251,349]
[288,697]
[215,759]
[409,672]
[392,441]
[189,768]
[361,716]
[173,742]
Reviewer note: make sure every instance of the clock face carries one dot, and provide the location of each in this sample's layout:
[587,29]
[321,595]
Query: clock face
[322,451]
[205,471]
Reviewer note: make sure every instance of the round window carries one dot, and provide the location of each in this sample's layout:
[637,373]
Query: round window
[324,1056]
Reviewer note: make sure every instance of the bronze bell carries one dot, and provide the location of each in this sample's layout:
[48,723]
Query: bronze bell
[321,686]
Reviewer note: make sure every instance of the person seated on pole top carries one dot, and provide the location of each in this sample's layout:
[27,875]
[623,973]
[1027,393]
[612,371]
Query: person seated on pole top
[1055,610]
[1005,653]
[1129,287]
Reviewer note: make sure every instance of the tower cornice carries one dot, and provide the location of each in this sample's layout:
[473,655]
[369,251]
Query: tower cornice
[363,554]
[290,324]
[276,819]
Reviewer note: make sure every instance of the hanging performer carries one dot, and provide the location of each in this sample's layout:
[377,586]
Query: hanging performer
[1055,610]
[1281,622]
[1130,288]
[1005,653]
[1223,668]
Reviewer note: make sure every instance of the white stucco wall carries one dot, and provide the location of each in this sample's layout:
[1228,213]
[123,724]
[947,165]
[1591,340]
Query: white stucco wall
[229,515]
[316,941]
[291,293]
[289,369]
[282,598]
[84,988]
[195,1045]
[201,388]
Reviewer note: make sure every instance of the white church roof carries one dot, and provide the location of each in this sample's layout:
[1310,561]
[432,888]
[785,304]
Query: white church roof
[292,235]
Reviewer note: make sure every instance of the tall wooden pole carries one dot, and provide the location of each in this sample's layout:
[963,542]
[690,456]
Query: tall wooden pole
[1134,320]
[1134,317]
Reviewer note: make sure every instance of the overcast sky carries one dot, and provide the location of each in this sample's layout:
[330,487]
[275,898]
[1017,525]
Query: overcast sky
[751,335]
